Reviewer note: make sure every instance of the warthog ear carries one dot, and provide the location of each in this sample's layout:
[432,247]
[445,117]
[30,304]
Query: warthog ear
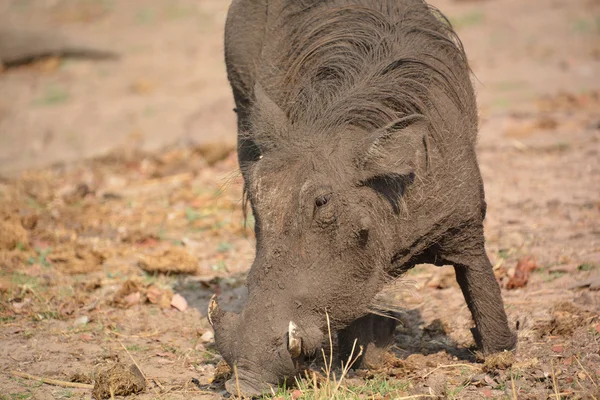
[270,118]
[394,155]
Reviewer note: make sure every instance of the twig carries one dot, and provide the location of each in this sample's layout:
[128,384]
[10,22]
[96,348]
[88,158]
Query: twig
[554,384]
[416,396]
[585,370]
[449,366]
[53,382]
[139,369]
[157,382]
[237,381]
[592,317]
[330,343]
[347,367]
[584,390]
[512,383]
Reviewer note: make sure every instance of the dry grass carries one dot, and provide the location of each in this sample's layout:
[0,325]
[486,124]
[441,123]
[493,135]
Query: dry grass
[330,386]
[332,383]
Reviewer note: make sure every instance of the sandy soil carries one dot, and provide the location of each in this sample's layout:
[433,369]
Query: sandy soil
[121,194]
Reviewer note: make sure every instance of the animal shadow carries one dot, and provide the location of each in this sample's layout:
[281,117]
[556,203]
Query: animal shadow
[413,336]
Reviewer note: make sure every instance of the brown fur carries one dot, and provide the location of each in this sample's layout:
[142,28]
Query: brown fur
[357,123]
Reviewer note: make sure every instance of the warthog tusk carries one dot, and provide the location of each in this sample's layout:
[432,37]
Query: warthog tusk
[294,342]
[212,307]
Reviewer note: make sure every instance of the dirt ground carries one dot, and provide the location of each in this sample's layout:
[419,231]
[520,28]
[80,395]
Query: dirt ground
[120,207]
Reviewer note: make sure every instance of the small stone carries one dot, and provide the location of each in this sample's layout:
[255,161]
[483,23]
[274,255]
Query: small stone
[437,384]
[207,336]
[83,320]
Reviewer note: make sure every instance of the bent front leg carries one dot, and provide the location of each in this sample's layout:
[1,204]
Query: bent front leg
[475,276]
[482,293]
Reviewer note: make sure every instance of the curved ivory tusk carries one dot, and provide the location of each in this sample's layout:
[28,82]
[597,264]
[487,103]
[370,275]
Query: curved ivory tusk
[212,308]
[294,342]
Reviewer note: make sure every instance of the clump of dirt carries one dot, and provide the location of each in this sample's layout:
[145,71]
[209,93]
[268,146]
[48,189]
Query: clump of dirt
[566,317]
[390,365]
[498,361]
[172,260]
[128,294]
[437,384]
[420,361]
[158,296]
[391,361]
[118,380]
[12,234]
[79,377]
[76,260]
[222,372]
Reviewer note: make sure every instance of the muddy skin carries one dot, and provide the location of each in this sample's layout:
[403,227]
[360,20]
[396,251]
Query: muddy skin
[356,130]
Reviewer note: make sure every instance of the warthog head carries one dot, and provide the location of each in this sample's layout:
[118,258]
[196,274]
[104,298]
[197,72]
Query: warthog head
[326,201]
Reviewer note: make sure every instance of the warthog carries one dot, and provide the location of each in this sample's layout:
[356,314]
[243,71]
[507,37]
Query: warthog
[357,126]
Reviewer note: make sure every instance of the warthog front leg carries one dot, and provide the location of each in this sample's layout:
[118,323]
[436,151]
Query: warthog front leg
[475,275]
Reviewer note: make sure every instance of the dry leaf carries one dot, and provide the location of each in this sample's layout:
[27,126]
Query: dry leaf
[132,299]
[128,295]
[559,348]
[158,296]
[524,268]
[178,302]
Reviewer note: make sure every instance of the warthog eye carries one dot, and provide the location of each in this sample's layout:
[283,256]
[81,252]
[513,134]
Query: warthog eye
[249,151]
[320,201]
